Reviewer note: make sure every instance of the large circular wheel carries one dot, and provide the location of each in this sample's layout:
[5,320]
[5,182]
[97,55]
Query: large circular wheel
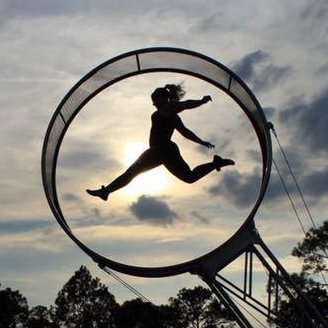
[133,63]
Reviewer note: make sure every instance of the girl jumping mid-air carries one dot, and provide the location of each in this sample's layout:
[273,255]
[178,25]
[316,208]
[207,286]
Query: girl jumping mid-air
[162,151]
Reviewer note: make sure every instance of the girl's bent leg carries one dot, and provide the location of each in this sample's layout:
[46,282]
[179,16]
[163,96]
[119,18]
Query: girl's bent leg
[190,176]
[178,167]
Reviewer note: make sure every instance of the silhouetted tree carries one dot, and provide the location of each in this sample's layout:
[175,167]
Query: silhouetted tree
[85,302]
[40,317]
[169,317]
[313,250]
[290,316]
[13,308]
[137,313]
[197,308]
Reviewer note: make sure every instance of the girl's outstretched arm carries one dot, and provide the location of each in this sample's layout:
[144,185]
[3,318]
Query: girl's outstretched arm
[180,106]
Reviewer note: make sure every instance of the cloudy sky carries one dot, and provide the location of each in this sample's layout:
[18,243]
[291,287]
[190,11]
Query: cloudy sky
[280,50]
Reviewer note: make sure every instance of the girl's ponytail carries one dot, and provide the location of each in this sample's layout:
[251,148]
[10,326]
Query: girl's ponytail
[176,91]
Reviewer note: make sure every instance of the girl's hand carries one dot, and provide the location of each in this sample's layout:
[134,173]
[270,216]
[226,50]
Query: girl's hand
[206,99]
[207,144]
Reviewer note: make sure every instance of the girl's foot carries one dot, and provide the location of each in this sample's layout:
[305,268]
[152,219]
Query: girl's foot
[221,162]
[102,193]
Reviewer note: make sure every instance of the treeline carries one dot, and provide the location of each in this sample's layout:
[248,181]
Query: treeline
[84,302]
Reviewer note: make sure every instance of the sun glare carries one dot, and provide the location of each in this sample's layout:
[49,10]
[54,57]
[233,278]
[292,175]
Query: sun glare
[151,182]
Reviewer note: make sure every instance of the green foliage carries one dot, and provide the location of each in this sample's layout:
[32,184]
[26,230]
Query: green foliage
[85,302]
[40,317]
[313,250]
[197,308]
[315,293]
[14,308]
[136,313]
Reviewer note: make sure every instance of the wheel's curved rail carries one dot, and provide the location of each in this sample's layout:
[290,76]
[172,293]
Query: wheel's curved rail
[141,62]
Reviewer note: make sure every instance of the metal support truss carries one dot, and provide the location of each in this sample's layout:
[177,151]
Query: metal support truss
[278,281]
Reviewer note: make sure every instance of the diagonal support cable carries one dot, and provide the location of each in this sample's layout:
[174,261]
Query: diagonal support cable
[126,284]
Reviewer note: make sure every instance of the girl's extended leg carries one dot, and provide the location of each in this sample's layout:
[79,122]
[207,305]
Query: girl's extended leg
[147,161]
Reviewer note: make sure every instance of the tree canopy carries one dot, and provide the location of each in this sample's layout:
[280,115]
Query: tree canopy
[14,308]
[85,302]
[313,250]
[197,308]
[137,313]
[40,317]
[314,292]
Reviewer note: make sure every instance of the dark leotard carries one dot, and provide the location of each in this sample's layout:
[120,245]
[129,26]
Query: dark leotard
[162,129]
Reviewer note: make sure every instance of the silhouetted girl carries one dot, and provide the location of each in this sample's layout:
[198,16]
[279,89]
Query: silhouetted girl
[162,151]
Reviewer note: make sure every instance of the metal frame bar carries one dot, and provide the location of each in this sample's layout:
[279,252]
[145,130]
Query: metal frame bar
[244,297]
[277,278]
[240,318]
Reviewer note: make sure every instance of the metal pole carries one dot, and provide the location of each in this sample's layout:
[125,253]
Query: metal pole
[245,274]
[219,291]
[295,287]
